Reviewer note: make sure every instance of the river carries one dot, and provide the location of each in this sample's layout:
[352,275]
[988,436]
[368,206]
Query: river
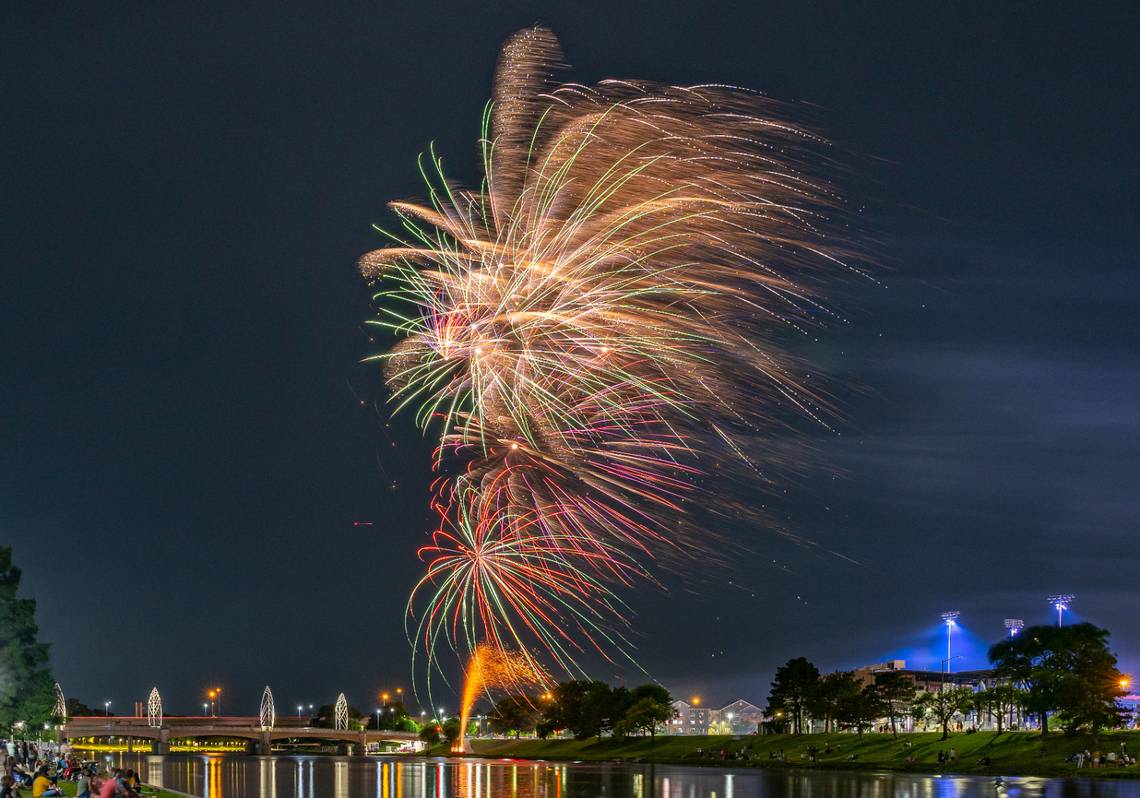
[236,776]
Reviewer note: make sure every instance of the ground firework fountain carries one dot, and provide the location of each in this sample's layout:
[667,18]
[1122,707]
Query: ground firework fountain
[491,668]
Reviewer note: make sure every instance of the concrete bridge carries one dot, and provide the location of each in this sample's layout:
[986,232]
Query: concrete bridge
[158,734]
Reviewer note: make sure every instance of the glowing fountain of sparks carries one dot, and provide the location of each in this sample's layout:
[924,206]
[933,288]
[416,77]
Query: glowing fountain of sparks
[494,668]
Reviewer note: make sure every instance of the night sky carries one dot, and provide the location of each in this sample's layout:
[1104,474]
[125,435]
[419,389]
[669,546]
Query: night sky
[189,434]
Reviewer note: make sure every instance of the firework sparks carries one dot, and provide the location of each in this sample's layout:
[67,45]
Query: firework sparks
[491,667]
[593,333]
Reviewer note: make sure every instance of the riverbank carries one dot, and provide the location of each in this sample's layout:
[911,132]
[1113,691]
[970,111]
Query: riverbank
[1010,754]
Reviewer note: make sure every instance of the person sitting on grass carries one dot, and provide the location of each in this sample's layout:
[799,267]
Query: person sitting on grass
[42,786]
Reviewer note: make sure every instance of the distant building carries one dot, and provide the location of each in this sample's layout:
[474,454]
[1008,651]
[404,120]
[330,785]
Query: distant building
[689,718]
[737,717]
[926,681]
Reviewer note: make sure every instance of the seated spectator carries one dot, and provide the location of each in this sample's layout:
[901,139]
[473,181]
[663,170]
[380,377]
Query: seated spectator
[42,786]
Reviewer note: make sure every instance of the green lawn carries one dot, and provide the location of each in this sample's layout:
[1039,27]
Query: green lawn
[68,788]
[1012,753]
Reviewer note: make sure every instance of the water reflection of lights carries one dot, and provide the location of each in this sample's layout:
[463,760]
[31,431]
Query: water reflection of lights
[214,777]
[267,784]
[340,779]
[154,771]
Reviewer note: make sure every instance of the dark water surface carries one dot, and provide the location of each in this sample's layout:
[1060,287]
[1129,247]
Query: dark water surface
[236,776]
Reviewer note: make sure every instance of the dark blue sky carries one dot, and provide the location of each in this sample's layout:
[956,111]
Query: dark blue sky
[184,446]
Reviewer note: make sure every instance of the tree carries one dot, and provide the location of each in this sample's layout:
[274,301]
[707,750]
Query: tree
[644,716]
[896,691]
[1066,670]
[998,702]
[451,729]
[585,709]
[650,706]
[943,704]
[27,690]
[792,688]
[77,709]
[430,733]
[830,691]
[326,717]
[393,716]
[859,709]
[513,714]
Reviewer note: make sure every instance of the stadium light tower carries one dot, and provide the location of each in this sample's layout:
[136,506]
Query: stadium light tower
[1014,625]
[1061,602]
[949,618]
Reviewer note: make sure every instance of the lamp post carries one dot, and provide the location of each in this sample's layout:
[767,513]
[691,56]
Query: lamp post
[205,709]
[107,708]
[949,618]
[299,708]
[1061,602]
[377,718]
[1014,625]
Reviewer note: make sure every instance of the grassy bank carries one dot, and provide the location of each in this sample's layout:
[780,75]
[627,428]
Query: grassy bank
[1012,753]
[68,788]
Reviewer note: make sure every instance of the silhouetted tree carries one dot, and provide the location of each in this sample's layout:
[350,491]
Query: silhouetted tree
[513,714]
[1068,670]
[26,686]
[942,705]
[896,691]
[794,684]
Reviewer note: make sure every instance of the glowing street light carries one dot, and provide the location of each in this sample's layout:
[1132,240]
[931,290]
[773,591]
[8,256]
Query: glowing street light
[949,618]
[1061,602]
[107,708]
[205,709]
[1014,625]
[299,708]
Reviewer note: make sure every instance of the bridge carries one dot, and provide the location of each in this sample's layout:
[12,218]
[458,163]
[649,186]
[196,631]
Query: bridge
[159,731]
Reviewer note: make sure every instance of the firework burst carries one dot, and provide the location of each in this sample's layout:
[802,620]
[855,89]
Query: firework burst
[595,332]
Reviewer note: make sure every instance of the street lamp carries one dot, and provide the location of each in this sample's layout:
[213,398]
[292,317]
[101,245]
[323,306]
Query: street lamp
[107,708]
[1014,625]
[1061,602]
[205,708]
[949,618]
[299,708]
[377,718]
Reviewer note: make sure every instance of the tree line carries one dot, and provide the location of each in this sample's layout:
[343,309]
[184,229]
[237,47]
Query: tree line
[1067,674]
[585,709]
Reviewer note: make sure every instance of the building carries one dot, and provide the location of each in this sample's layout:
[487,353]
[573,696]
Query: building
[736,717]
[689,718]
[926,681]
